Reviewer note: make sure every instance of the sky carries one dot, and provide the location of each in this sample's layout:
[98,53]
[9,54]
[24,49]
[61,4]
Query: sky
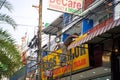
[26,17]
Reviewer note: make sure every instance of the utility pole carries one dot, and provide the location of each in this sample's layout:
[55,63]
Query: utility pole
[39,56]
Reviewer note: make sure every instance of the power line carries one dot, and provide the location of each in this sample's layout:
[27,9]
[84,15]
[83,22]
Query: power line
[84,16]
[26,25]
[23,25]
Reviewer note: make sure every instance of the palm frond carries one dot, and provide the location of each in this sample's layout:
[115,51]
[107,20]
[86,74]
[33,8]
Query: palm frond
[10,65]
[6,18]
[6,4]
[10,50]
[4,35]
[9,55]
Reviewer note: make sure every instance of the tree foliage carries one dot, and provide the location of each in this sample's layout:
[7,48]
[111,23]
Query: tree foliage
[4,17]
[9,55]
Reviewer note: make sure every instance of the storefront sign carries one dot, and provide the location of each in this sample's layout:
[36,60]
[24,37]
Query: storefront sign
[68,6]
[79,60]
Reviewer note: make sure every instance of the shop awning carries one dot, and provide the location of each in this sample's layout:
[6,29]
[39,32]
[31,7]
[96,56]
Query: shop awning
[99,34]
[54,27]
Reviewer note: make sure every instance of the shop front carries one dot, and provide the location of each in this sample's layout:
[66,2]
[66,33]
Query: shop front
[104,52]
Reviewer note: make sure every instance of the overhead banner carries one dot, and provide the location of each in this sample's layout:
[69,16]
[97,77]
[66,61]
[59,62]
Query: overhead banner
[68,6]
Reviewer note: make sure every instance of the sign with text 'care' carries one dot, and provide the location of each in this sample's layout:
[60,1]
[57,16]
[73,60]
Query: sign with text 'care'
[68,6]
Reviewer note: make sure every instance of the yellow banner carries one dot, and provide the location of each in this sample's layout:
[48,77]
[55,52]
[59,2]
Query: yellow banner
[79,60]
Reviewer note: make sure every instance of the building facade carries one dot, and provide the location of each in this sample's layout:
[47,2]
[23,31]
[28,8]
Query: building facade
[95,55]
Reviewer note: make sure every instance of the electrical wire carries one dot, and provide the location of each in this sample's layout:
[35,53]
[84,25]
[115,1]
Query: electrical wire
[82,17]
[23,25]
